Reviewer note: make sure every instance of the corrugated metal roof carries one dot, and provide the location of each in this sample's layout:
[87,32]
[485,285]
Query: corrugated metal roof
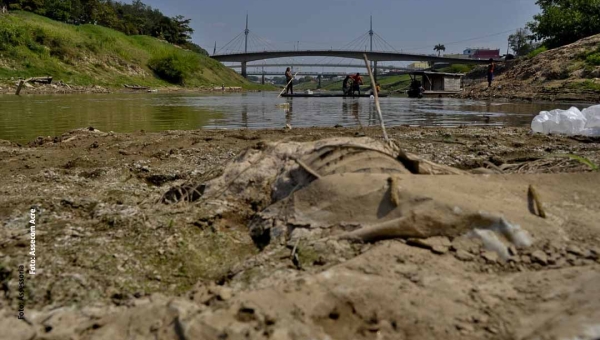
[417,73]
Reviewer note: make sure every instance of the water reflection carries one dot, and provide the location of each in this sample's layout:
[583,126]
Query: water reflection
[245,115]
[24,118]
[345,112]
[373,115]
[289,111]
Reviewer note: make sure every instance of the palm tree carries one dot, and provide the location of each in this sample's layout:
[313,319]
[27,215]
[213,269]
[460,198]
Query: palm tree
[439,48]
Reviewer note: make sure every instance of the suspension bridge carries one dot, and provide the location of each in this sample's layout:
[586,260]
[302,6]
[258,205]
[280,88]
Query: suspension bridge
[248,47]
[280,65]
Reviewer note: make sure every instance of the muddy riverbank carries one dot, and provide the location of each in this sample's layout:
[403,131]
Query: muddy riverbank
[112,259]
[64,88]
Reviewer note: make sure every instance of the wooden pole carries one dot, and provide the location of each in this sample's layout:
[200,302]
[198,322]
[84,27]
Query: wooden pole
[376,95]
[19,87]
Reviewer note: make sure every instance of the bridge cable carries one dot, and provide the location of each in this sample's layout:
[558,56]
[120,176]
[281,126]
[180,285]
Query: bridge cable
[322,60]
[255,44]
[262,43]
[365,43]
[236,46]
[251,43]
[377,46]
[273,48]
[258,46]
[385,43]
[241,45]
[356,42]
[224,47]
[231,47]
[236,37]
[380,45]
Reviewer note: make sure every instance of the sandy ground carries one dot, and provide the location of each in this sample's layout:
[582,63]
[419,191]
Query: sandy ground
[509,89]
[112,262]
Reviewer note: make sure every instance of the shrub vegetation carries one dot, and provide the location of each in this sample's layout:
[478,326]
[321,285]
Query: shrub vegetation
[32,45]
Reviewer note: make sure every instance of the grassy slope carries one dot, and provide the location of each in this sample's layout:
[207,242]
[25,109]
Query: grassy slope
[31,45]
[388,83]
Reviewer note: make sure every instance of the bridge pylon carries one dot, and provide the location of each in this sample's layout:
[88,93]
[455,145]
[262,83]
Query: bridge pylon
[371,33]
[246,32]
[244,70]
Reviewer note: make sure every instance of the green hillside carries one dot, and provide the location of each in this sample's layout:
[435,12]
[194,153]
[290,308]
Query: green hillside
[32,45]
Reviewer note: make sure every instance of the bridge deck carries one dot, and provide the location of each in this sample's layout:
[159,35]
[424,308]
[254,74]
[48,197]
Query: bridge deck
[373,56]
[362,65]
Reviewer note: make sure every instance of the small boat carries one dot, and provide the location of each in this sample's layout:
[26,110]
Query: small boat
[329,95]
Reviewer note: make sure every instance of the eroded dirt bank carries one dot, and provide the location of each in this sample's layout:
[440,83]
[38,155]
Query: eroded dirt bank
[567,73]
[113,262]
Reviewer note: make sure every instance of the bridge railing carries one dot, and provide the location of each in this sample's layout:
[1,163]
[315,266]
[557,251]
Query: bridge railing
[380,67]
[328,50]
[418,56]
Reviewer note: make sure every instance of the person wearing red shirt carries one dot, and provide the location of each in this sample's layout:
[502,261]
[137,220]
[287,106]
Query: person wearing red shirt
[356,82]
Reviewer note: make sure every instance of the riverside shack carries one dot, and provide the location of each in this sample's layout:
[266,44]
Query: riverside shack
[437,84]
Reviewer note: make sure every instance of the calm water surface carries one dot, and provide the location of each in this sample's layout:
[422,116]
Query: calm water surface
[24,118]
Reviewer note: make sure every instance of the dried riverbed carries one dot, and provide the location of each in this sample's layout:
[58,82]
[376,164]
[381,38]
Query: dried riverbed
[104,241]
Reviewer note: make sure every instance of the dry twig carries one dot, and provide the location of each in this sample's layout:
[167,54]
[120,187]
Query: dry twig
[532,195]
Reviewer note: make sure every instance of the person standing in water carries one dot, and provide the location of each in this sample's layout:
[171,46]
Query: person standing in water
[356,82]
[345,87]
[290,83]
[490,72]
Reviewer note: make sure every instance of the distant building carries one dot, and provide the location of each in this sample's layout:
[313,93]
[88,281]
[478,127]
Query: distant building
[469,51]
[419,65]
[486,54]
[482,53]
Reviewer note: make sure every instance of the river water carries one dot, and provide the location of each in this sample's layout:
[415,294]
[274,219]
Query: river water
[24,118]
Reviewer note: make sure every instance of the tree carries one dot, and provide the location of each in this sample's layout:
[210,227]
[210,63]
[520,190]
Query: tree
[183,29]
[59,10]
[36,6]
[439,48]
[279,80]
[305,79]
[135,18]
[565,21]
[521,42]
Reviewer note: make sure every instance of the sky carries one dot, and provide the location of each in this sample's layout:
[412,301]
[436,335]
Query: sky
[413,26]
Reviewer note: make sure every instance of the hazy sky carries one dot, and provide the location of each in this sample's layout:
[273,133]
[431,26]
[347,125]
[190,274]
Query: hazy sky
[408,25]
